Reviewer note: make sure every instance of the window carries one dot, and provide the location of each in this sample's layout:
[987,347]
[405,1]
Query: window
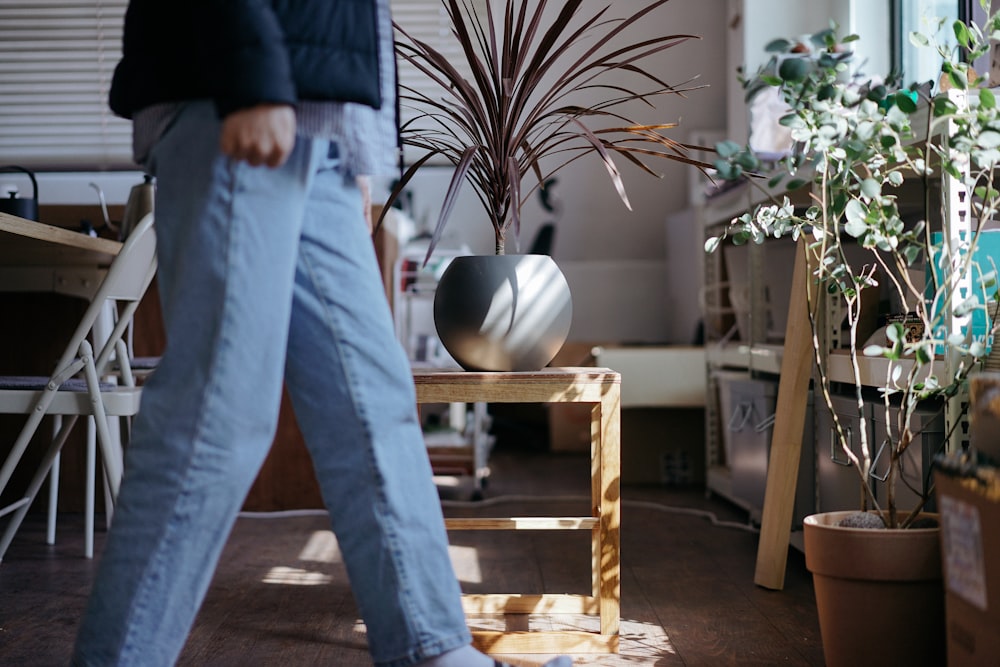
[920,65]
[57,58]
[56,62]
[427,21]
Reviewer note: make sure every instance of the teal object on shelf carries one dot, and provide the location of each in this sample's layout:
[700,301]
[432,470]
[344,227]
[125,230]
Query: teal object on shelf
[986,258]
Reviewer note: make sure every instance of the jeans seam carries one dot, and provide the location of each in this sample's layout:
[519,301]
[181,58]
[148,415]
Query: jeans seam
[170,527]
[381,509]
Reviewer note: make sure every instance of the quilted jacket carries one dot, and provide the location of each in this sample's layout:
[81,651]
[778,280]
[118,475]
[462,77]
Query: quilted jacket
[240,53]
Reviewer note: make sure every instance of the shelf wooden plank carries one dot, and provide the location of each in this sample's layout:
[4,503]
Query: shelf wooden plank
[549,385]
[562,641]
[517,603]
[873,371]
[523,523]
[765,358]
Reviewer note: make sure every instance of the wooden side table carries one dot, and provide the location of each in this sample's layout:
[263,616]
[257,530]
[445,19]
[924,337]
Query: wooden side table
[602,388]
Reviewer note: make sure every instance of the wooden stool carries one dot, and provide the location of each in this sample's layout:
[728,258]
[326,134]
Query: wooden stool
[602,388]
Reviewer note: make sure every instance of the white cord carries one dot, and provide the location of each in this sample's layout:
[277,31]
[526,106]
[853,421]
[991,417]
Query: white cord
[497,500]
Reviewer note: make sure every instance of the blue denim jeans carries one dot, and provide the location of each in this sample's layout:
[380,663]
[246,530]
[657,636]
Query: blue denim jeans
[268,275]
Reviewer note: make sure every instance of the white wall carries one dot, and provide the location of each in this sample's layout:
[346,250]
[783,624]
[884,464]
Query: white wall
[608,250]
[595,224]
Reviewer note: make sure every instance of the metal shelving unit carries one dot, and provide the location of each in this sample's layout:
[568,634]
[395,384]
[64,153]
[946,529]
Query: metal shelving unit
[761,358]
[456,434]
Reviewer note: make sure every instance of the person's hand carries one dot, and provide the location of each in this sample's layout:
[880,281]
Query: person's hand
[260,135]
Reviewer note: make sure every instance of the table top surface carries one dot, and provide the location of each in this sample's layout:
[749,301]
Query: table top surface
[28,243]
[585,374]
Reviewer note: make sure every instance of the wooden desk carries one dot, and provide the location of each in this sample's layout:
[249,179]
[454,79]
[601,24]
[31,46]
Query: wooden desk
[602,388]
[35,257]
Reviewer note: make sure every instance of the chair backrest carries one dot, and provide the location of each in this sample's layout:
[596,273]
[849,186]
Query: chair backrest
[126,281]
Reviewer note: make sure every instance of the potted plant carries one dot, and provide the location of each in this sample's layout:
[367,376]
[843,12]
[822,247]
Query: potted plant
[546,84]
[855,143]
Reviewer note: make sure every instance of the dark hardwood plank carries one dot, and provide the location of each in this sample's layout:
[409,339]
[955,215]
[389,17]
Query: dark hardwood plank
[280,595]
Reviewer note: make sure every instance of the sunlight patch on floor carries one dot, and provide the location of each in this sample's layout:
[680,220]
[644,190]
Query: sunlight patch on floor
[465,561]
[642,639]
[321,548]
[290,576]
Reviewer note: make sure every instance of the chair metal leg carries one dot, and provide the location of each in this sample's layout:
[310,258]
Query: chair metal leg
[50,532]
[36,484]
[90,491]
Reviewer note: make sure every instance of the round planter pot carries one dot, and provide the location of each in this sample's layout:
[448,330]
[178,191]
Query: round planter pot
[503,312]
[879,593]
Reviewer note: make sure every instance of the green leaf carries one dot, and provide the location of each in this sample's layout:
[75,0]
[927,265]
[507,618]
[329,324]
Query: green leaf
[779,45]
[826,92]
[958,79]
[870,188]
[874,351]
[775,181]
[987,99]
[727,148]
[966,307]
[923,355]
[905,102]
[793,69]
[919,40]
[962,33]
[748,161]
[944,107]
[791,120]
[712,244]
[796,183]
[989,139]
[895,333]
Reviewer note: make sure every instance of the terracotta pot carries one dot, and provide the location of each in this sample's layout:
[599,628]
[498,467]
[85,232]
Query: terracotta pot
[503,312]
[879,593]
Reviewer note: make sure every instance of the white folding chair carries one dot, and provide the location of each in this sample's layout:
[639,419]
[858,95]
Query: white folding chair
[76,388]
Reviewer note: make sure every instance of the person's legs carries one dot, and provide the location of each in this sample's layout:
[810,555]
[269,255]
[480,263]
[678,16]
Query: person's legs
[227,241]
[352,390]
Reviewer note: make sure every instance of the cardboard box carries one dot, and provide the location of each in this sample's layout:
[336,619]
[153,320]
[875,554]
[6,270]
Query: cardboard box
[663,422]
[569,423]
[663,446]
[569,426]
[970,549]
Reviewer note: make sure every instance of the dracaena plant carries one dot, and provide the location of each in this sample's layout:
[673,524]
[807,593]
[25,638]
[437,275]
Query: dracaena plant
[523,103]
[856,142]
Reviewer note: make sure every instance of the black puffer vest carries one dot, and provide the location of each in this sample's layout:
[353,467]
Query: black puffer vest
[240,53]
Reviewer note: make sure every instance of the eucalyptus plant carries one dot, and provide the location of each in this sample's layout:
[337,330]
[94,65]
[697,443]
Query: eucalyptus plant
[857,141]
[526,105]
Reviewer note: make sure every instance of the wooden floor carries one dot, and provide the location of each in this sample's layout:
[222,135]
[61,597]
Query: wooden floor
[280,595]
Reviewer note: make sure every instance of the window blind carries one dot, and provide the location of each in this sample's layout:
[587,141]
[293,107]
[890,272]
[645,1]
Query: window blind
[56,62]
[57,58]
[427,21]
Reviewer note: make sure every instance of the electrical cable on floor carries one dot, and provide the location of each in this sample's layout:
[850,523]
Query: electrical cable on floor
[497,500]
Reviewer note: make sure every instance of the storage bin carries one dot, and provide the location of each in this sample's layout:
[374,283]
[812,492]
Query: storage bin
[838,483]
[928,428]
[750,425]
[723,381]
